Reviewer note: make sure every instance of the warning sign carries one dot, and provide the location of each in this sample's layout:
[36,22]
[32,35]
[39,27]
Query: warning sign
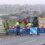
[41,21]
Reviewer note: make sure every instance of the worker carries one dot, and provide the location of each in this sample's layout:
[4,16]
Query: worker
[35,22]
[6,26]
[17,25]
[29,24]
[22,25]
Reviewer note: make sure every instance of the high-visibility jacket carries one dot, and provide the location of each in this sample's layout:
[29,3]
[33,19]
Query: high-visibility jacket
[5,24]
[17,24]
[29,24]
[22,25]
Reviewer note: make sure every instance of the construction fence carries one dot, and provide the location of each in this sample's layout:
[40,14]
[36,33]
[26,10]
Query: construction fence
[29,25]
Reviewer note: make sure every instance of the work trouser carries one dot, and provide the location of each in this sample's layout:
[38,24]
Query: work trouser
[6,30]
[28,31]
[17,32]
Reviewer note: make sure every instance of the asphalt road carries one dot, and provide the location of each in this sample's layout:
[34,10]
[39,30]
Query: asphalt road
[22,40]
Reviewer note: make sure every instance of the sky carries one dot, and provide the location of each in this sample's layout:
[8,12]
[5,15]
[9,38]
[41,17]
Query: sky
[22,2]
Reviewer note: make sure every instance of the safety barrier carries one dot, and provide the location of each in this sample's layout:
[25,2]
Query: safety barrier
[32,30]
[25,31]
[41,30]
[11,31]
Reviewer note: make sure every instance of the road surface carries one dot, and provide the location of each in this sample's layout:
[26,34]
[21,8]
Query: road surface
[22,40]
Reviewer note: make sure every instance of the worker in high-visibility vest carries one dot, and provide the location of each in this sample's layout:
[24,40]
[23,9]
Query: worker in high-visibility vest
[29,24]
[6,26]
[17,25]
[22,25]
[28,27]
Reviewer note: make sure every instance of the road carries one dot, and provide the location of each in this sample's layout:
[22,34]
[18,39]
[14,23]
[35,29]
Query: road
[22,40]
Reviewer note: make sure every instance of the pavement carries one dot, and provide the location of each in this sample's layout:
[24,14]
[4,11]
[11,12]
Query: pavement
[22,40]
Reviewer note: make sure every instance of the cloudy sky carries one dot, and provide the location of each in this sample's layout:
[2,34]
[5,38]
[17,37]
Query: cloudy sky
[22,2]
